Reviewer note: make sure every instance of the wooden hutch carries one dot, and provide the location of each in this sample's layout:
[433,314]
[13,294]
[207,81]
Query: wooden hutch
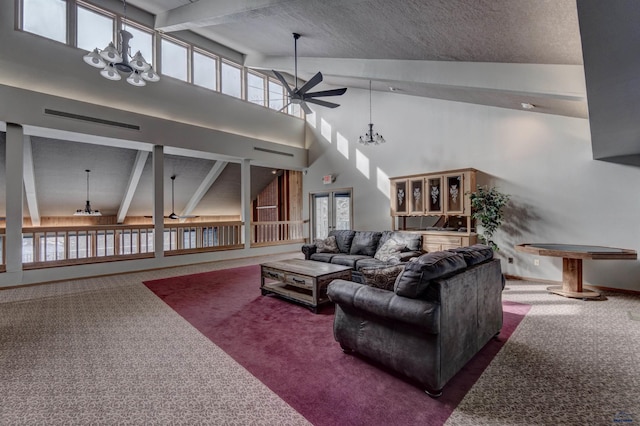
[441,200]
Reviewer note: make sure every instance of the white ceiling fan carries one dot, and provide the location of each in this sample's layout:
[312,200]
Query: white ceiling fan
[300,96]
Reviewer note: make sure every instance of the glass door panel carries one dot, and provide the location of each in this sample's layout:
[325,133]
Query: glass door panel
[330,210]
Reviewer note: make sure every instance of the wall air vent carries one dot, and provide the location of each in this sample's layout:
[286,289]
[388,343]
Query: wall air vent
[271,151]
[90,119]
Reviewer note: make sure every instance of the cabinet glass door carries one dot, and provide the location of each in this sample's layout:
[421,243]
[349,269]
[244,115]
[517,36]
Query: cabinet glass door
[399,194]
[416,194]
[434,195]
[454,186]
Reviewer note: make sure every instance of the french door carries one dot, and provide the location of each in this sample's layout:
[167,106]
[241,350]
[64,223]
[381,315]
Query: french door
[330,210]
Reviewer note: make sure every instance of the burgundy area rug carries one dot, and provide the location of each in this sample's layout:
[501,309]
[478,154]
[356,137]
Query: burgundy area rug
[292,351]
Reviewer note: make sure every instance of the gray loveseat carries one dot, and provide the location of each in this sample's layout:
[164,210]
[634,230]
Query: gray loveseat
[362,249]
[444,307]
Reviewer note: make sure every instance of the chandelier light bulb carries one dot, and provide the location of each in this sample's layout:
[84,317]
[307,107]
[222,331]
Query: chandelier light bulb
[110,73]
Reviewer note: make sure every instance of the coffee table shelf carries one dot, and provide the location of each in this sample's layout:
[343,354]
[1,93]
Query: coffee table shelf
[301,281]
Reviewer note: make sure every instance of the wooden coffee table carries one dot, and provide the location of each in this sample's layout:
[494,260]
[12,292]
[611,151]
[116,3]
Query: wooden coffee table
[301,281]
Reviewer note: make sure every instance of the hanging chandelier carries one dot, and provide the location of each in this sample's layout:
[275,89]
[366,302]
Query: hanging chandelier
[118,62]
[371,138]
[87,207]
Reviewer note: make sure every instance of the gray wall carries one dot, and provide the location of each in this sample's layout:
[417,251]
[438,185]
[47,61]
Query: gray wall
[559,193]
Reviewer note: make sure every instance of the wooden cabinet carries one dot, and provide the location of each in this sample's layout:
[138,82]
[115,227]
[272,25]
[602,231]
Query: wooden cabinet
[443,194]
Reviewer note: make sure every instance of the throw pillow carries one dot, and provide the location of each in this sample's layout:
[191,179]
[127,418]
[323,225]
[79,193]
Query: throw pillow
[328,245]
[390,249]
[381,277]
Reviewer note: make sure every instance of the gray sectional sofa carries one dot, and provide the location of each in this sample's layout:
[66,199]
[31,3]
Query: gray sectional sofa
[441,310]
[362,249]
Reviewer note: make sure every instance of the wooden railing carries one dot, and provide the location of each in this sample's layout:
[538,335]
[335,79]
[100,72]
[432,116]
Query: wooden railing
[184,238]
[272,233]
[44,247]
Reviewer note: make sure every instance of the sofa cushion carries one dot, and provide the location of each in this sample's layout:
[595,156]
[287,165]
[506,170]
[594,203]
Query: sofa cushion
[417,275]
[369,262]
[322,257]
[390,249]
[344,239]
[474,254]
[365,243]
[328,245]
[381,277]
[347,259]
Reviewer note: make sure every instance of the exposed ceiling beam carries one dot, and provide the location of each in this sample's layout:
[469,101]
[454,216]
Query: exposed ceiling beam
[29,177]
[208,13]
[211,177]
[134,179]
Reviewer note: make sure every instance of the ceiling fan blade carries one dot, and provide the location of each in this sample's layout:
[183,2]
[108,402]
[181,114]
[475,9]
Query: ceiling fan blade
[321,103]
[316,79]
[173,216]
[333,92]
[284,107]
[283,81]
[306,108]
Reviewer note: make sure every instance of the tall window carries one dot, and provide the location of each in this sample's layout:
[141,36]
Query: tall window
[47,18]
[205,70]
[142,40]
[94,29]
[255,88]
[276,95]
[231,80]
[174,60]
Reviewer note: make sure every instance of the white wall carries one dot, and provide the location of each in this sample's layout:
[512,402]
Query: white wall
[558,192]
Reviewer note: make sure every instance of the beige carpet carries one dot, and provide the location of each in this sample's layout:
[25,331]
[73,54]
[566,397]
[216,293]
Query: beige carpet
[107,351]
[570,362]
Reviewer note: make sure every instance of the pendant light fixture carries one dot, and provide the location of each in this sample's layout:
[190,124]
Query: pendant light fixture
[118,62]
[371,138]
[87,207]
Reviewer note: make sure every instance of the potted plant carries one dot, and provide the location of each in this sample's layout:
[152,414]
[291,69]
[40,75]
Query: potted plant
[486,208]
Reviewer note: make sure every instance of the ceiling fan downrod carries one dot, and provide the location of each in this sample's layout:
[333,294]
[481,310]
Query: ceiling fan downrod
[296,36]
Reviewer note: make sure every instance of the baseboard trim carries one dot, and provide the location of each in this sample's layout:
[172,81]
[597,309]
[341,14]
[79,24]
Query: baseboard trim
[553,282]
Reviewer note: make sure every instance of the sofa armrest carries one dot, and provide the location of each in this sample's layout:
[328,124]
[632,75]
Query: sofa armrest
[308,250]
[385,305]
[406,255]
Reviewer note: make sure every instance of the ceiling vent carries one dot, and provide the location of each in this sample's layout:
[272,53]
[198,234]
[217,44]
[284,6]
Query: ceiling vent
[271,151]
[90,119]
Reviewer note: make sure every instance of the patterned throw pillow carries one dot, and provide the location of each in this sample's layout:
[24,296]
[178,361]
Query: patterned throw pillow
[381,277]
[328,245]
[389,250]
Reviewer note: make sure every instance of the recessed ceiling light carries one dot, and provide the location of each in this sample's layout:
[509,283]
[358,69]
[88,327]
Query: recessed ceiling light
[527,105]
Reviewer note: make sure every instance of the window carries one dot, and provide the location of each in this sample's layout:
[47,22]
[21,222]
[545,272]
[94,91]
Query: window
[295,110]
[276,95]
[231,80]
[205,70]
[94,29]
[255,88]
[47,18]
[142,40]
[174,60]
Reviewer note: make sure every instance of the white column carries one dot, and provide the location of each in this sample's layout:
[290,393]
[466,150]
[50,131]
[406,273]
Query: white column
[158,200]
[245,196]
[14,168]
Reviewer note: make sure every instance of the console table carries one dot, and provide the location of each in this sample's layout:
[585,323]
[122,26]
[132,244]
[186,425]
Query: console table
[572,256]
[301,281]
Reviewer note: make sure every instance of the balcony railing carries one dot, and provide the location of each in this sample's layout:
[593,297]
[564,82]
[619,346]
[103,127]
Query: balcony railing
[44,247]
[273,233]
